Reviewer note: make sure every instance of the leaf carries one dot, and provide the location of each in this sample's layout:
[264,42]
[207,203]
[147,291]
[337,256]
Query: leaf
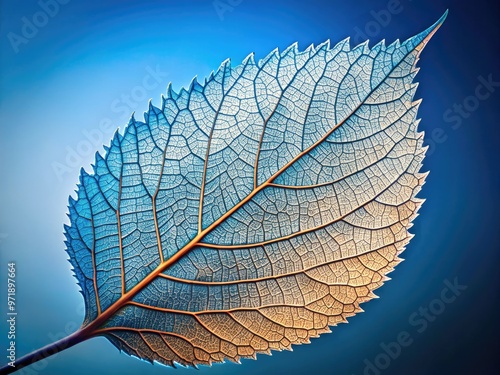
[255,210]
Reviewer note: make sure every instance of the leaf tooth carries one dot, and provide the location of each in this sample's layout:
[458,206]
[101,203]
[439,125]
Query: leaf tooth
[198,85]
[223,69]
[393,46]
[249,60]
[182,91]
[130,128]
[184,94]
[425,148]
[117,138]
[171,94]
[415,69]
[342,46]
[209,78]
[419,202]
[149,360]
[291,49]
[192,84]
[131,121]
[314,51]
[98,157]
[379,46]
[225,64]
[373,295]
[416,103]
[169,90]
[375,50]
[363,47]
[409,226]
[274,53]
[152,111]
[325,46]
[309,50]
[416,190]
[423,175]
[83,174]
[146,113]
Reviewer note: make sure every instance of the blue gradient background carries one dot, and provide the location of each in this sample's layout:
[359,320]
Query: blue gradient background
[68,77]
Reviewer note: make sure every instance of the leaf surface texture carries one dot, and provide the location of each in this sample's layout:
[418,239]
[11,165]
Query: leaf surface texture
[255,210]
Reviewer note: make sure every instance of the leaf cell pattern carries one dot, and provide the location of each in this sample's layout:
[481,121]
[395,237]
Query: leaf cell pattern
[255,210]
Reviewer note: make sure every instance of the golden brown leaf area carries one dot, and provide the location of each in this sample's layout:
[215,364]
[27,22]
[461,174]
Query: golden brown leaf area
[328,295]
[253,212]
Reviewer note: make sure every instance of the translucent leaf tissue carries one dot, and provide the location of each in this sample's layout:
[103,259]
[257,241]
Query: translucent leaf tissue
[252,211]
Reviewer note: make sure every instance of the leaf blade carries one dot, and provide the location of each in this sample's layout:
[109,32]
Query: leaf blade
[159,254]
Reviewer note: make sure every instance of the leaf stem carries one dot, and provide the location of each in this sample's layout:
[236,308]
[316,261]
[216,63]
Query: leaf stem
[45,352]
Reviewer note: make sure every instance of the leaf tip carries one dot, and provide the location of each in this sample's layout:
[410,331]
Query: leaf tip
[423,38]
